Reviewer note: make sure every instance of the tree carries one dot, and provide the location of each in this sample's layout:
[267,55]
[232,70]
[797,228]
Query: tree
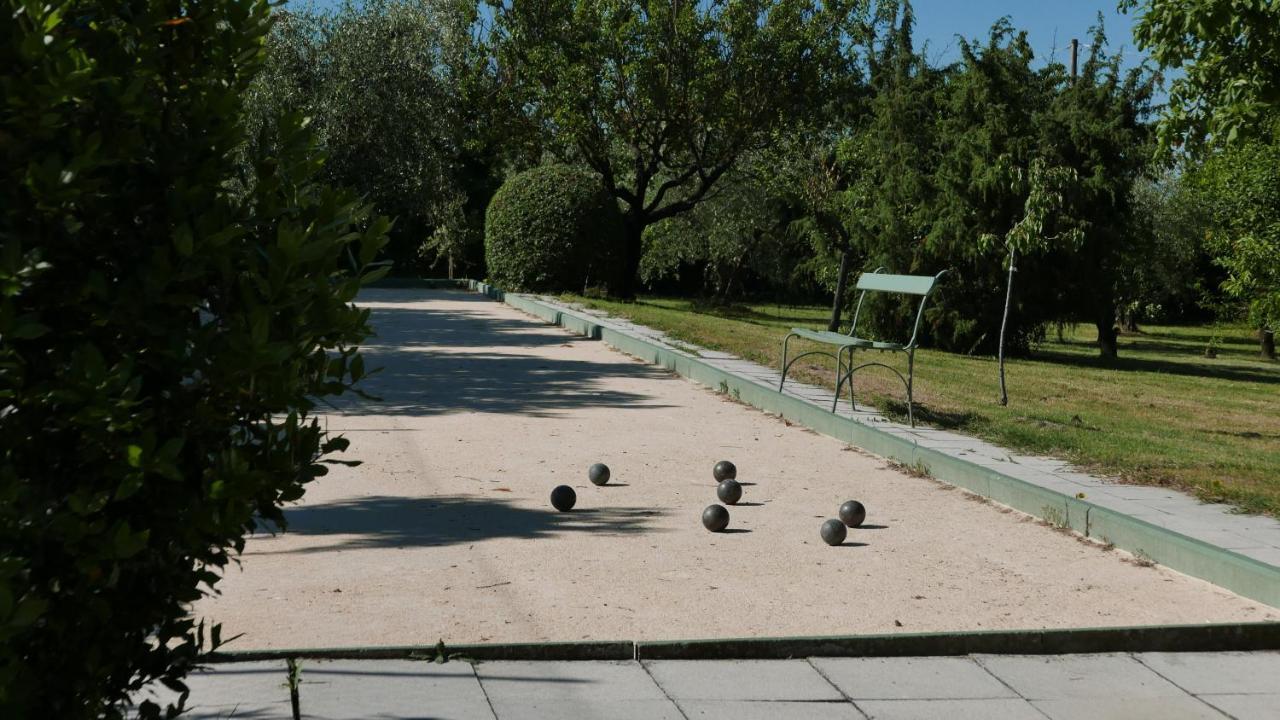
[1044,188]
[740,230]
[1239,189]
[662,99]
[1229,52]
[1229,55]
[404,101]
[164,337]
[1095,125]
[988,139]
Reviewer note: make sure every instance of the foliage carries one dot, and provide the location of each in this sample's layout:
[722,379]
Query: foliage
[405,104]
[738,233]
[662,99]
[1229,54]
[550,229]
[1239,190]
[1095,126]
[1045,188]
[163,337]
[454,237]
[991,105]
[1167,272]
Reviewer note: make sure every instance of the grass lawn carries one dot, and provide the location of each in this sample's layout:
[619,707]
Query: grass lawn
[1162,414]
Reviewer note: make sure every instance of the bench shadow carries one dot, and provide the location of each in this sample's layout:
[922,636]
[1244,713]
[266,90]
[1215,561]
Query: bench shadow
[382,521]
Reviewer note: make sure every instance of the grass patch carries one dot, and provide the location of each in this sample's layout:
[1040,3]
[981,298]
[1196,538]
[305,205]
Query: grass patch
[1162,414]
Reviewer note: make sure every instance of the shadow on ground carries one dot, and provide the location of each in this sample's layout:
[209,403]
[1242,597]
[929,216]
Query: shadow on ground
[382,521]
[431,361]
[1170,367]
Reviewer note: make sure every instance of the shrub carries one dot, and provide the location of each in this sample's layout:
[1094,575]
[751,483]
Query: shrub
[553,228]
[162,337]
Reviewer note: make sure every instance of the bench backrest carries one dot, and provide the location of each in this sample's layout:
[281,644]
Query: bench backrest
[877,281]
[906,284]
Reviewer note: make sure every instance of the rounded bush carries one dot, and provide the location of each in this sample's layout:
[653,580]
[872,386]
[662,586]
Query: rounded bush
[550,229]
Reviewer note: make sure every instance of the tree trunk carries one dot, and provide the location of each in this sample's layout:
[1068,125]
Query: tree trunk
[1130,322]
[450,266]
[842,280]
[1267,339]
[1107,347]
[633,248]
[1004,322]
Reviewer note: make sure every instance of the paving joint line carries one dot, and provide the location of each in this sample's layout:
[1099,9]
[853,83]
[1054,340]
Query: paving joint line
[848,698]
[1185,691]
[645,666]
[487,700]
[976,660]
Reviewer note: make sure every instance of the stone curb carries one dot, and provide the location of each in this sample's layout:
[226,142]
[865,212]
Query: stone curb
[1151,638]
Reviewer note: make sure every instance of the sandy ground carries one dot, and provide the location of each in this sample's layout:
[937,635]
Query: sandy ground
[446,531]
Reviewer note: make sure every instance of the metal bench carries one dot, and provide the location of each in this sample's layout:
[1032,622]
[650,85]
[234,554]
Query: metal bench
[876,281]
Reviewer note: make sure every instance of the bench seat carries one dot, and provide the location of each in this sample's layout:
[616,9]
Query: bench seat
[835,338]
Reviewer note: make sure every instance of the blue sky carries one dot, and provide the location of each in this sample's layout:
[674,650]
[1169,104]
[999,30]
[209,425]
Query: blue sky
[1046,23]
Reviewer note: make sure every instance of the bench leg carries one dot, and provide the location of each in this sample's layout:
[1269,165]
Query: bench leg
[911,374]
[841,377]
[785,341]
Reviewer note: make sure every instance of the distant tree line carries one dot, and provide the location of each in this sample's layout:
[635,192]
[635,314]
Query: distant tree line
[776,148]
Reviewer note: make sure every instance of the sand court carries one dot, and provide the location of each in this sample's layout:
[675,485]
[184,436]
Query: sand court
[446,531]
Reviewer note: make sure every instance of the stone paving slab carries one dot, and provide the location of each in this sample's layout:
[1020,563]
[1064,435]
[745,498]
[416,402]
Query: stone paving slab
[242,690]
[554,690]
[911,678]
[756,710]
[1246,707]
[741,680]
[1218,672]
[1163,686]
[1063,677]
[349,689]
[1121,708]
[988,709]
[528,681]
[1252,536]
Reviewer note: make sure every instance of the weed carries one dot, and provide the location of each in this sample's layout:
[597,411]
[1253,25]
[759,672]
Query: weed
[1054,517]
[293,681]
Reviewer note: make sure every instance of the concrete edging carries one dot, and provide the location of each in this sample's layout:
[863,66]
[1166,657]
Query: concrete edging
[1152,638]
[1243,575]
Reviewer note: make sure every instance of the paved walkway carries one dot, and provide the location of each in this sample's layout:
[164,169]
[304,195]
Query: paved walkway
[1257,537]
[1167,686]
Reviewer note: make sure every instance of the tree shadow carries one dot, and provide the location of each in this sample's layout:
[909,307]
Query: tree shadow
[382,521]
[428,360]
[1170,367]
[1192,339]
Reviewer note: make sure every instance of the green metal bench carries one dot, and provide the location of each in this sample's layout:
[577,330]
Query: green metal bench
[876,281]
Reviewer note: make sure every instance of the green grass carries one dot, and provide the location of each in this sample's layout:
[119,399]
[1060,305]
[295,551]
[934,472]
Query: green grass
[1162,414]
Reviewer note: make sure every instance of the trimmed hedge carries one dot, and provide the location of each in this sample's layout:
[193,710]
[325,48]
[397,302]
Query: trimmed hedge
[553,228]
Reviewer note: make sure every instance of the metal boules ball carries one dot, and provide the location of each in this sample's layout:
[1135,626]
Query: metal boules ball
[833,532]
[598,474]
[563,498]
[725,470]
[852,513]
[715,518]
[729,491]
